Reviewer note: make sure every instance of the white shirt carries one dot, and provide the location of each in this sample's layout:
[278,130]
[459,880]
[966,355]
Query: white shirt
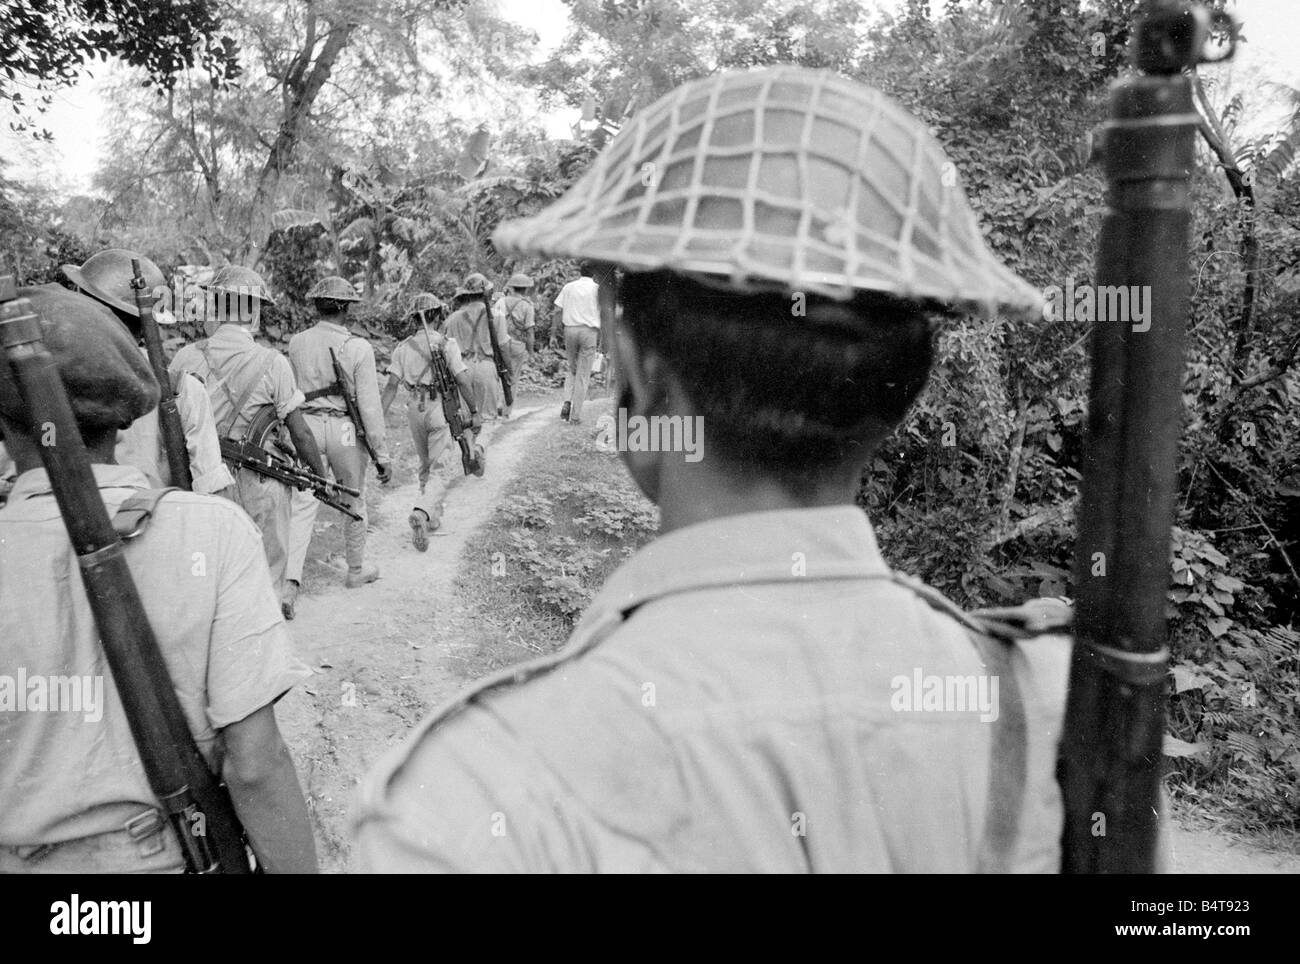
[579,302]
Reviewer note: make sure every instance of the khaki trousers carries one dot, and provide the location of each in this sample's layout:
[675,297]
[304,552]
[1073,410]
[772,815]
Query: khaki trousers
[580,349]
[267,502]
[336,438]
[302,520]
[431,436]
[516,352]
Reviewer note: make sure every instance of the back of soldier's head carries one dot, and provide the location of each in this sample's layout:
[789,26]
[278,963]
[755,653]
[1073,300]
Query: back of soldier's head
[786,386]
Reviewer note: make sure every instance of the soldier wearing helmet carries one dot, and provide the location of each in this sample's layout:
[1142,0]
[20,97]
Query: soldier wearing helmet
[516,314]
[241,378]
[106,277]
[741,695]
[327,414]
[411,368]
[75,798]
[468,325]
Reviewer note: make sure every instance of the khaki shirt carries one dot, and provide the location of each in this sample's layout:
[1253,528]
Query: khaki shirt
[410,360]
[238,361]
[201,573]
[309,354]
[141,445]
[517,315]
[728,703]
[467,327]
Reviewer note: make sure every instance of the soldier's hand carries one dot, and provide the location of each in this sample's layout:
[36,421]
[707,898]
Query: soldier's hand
[476,421]
[385,472]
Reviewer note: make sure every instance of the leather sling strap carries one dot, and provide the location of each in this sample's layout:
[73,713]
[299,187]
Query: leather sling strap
[134,515]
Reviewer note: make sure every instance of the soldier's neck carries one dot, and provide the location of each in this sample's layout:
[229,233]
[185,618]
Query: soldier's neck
[693,493]
[27,456]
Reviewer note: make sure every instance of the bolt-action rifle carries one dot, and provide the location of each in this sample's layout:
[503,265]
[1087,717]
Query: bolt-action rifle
[195,803]
[169,416]
[1114,724]
[498,356]
[354,410]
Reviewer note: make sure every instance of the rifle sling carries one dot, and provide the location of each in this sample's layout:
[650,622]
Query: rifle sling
[237,405]
[134,515]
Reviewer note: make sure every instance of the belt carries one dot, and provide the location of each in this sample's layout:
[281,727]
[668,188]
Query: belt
[336,412]
[145,830]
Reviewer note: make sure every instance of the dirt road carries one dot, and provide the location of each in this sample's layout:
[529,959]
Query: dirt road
[382,652]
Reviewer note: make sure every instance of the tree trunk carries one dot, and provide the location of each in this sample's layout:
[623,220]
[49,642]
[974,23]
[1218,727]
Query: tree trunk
[303,81]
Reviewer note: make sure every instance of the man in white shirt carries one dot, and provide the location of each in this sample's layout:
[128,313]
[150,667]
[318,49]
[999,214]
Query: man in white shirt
[579,304]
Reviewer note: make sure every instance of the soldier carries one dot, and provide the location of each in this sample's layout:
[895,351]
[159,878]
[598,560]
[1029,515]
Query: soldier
[741,695]
[468,325]
[339,439]
[411,368]
[106,277]
[241,377]
[518,316]
[74,797]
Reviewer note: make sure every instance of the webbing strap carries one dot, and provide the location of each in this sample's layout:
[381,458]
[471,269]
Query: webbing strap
[133,516]
[237,405]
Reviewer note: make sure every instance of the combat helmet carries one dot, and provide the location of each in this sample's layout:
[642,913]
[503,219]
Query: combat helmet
[779,179]
[234,279]
[106,277]
[475,285]
[519,280]
[424,301]
[333,288]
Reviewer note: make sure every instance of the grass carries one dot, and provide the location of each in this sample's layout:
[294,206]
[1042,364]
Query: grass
[566,522]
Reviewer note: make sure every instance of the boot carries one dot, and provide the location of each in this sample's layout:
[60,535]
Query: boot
[361,576]
[289,598]
[419,523]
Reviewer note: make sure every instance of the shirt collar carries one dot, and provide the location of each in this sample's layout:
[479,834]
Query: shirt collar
[332,326]
[35,482]
[787,545]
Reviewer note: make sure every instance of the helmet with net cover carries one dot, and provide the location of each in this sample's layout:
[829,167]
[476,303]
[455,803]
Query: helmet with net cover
[424,301]
[234,279]
[106,276]
[333,288]
[780,178]
[474,285]
[519,280]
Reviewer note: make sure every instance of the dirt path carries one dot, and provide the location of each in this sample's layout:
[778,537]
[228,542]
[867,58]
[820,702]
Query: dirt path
[1197,850]
[382,653]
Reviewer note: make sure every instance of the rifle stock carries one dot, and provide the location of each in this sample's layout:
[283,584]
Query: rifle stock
[196,805]
[169,416]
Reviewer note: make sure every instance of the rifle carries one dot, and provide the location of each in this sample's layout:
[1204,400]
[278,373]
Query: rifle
[197,806]
[445,383]
[1114,722]
[257,459]
[498,358]
[354,410]
[169,416]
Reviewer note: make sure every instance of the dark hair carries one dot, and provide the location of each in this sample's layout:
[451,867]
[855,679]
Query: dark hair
[331,306]
[787,392]
[586,268]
